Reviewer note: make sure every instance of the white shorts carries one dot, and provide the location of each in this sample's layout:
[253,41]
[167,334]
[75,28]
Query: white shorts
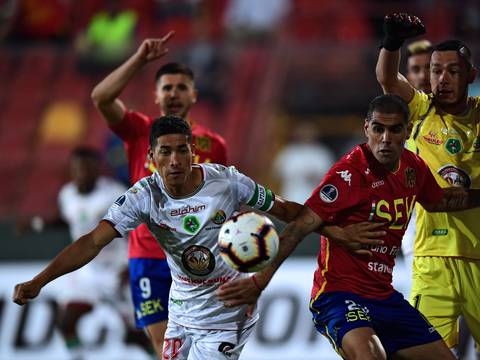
[182,343]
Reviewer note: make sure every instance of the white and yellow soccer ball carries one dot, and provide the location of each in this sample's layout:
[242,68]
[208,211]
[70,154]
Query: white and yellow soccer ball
[248,242]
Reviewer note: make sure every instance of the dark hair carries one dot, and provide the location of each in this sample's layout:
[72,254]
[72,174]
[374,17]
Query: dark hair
[174,68]
[460,47]
[165,125]
[388,104]
[419,47]
[85,152]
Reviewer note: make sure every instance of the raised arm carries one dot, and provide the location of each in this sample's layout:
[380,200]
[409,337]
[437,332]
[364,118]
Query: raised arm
[455,199]
[397,28]
[247,291]
[105,94]
[74,256]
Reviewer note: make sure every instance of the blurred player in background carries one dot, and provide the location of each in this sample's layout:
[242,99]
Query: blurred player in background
[446,134]
[353,302]
[199,326]
[82,204]
[175,94]
[418,65]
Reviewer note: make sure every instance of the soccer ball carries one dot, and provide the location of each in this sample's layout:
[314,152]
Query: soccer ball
[248,242]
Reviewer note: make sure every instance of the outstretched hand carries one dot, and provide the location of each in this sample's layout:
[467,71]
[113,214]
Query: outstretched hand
[398,27]
[358,237]
[25,291]
[153,49]
[240,292]
[402,26]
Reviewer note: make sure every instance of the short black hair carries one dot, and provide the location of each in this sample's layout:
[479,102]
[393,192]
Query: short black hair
[460,47]
[174,68]
[419,47]
[388,104]
[165,125]
[85,152]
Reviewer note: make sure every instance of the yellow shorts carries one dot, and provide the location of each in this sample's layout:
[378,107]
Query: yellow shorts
[444,288]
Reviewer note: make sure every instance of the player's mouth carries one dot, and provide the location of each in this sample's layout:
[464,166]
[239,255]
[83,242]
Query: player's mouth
[385,152]
[175,108]
[175,174]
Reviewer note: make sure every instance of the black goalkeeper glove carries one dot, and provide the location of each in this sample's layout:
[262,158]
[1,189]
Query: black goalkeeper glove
[398,27]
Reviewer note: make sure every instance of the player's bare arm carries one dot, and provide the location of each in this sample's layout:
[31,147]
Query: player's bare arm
[354,237]
[247,291]
[397,28]
[106,94]
[74,256]
[358,237]
[456,199]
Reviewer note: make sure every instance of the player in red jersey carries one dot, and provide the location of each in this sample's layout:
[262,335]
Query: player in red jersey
[353,302]
[175,94]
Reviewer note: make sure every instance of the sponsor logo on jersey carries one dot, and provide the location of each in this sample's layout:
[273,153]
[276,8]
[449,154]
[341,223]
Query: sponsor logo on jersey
[453,146]
[329,193]
[203,143]
[346,176]
[455,176]
[120,201]
[439,232]
[410,177]
[198,260]
[378,184]
[176,301]
[226,347]
[191,224]
[187,210]
[432,138]
[219,217]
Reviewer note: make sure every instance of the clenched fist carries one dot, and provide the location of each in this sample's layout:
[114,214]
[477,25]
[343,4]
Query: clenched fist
[25,291]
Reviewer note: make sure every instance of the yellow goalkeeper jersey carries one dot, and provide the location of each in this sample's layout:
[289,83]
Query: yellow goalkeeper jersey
[450,145]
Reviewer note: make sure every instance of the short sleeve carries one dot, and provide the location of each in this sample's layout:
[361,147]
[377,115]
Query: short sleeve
[339,190]
[133,126]
[128,211]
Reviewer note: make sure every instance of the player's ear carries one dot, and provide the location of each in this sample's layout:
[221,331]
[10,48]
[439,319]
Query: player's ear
[195,95]
[472,75]
[409,129]
[150,153]
[365,127]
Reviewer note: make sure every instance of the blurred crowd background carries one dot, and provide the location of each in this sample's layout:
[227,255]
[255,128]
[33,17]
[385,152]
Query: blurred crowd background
[286,82]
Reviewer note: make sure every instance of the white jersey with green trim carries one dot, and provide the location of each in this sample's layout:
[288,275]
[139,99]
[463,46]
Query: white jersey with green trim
[187,229]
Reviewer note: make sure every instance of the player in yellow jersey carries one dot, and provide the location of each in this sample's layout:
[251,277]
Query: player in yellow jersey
[446,134]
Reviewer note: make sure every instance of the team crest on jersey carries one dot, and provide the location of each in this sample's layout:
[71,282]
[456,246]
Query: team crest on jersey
[453,146]
[191,224]
[133,190]
[219,217]
[410,177]
[203,143]
[329,193]
[198,260]
[455,176]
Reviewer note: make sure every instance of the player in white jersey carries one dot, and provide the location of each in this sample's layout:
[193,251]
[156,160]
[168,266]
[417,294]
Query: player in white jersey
[82,203]
[183,205]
